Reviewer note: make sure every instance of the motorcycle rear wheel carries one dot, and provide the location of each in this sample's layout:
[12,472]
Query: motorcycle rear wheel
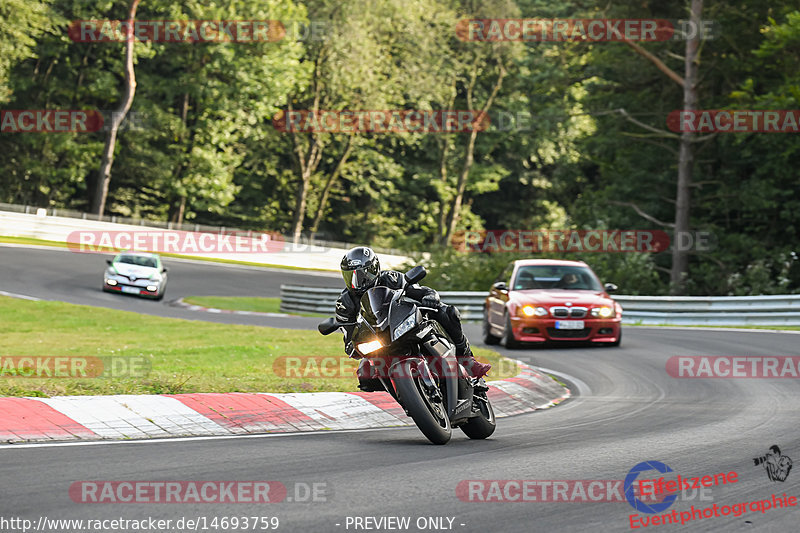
[430,416]
[483,425]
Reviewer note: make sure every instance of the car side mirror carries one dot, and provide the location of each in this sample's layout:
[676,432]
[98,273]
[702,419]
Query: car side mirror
[500,286]
[610,287]
[328,326]
[164,270]
[108,261]
[415,274]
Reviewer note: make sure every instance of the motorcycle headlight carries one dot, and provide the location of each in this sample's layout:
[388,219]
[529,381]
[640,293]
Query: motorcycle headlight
[368,347]
[404,327]
[603,312]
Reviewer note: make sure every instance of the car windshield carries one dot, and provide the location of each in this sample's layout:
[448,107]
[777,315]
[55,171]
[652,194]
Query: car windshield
[137,260]
[556,277]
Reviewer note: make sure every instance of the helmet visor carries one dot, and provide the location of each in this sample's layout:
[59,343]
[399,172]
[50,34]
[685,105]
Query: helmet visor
[359,278]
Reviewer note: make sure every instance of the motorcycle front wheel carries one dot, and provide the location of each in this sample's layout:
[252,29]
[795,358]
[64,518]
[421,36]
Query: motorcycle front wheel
[429,415]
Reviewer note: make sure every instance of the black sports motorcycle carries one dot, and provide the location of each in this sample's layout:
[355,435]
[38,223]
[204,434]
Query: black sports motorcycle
[415,361]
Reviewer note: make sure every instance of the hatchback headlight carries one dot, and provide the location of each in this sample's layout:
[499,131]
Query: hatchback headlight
[404,327]
[603,312]
[369,347]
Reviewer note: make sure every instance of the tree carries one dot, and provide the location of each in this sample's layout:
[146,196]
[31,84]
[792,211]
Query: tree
[22,22]
[104,175]
[364,63]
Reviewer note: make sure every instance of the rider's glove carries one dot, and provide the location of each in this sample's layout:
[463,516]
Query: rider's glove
[351,350]
[431,300]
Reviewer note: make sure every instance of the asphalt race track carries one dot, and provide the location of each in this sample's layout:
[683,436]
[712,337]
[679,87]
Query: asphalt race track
[627,410]
[58,274]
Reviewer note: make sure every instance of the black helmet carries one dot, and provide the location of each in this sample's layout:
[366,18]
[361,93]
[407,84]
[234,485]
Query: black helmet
[360,268]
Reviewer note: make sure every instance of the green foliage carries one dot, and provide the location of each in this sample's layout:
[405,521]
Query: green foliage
[557,155]
[450,270]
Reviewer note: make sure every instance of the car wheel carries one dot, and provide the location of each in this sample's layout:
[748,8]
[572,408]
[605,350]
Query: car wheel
[508,336]
[488,338]
[160,297]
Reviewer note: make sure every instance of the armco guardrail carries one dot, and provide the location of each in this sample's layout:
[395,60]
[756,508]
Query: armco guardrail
[680,310]
[187,226]
[49,225]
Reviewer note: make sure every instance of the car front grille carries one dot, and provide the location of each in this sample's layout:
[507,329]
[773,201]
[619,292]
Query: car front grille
[569,312]
[568,333]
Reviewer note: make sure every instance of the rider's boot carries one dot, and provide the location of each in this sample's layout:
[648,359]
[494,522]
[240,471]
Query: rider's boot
[474,368]
[367,381]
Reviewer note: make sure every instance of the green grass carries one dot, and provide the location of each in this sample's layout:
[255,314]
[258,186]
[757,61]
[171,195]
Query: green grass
[56,244]
[243,303]
[786,328]
[183,355]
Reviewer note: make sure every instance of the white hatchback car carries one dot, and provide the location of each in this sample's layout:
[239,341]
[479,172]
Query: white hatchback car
[138,273]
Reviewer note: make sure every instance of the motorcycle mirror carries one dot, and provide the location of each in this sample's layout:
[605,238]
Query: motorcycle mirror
[328,326]
[415,274]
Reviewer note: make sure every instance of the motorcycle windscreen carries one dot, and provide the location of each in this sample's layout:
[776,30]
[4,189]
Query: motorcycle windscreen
[375,305]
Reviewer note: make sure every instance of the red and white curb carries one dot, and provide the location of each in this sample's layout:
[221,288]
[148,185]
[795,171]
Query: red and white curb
[201,414]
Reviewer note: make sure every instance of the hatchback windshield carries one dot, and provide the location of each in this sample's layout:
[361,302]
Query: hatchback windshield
[556,277]
[137,260]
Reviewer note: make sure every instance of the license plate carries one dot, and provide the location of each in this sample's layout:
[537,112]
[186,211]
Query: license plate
[569,324]
[134,290]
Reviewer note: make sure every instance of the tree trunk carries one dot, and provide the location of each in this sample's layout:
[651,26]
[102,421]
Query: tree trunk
[308,160]
[680,256]
[455,206]
[458,199]
[323,201]
[104,175]
[443,175]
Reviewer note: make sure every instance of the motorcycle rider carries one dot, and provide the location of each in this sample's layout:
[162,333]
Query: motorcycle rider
[361,270]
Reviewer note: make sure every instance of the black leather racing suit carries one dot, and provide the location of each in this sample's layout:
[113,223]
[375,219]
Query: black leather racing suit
[348,306]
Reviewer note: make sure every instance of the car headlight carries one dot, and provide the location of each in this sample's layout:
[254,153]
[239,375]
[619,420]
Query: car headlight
[603,312]
[111,282]
[152,288]
[369,347]
[404,327]
[529,310]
